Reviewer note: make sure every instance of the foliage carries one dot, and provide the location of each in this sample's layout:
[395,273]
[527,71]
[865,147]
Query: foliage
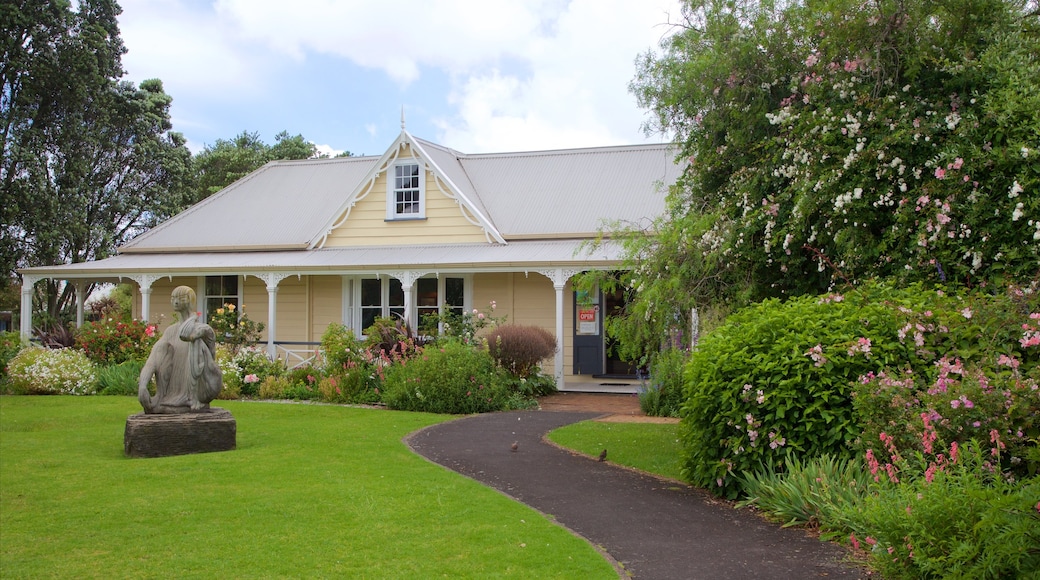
[228,160]
[810,492]
[55,335]
[778,378]
[353,371]
[89,160]
[466,326]
[235,329]
[448,378]
[10,344]
[663,396]
[536,384]
[119,379]
[843,141]
[42,371]
[393,338]
[243,371]
[520,348]
[958,518]
[111,341]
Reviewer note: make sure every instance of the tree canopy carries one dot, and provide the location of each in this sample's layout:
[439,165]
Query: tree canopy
[88,160]
[228,160]
[837,141]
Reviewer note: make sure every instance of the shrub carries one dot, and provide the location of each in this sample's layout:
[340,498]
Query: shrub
[110,342]
[777,378]
[663,396]
[273,387]
[518,348]
[40,371]
[466,326]
[55,335]
[244,369]
[119,379]
[450,378]
[963,520]
[10,344]
[352,370]
[235,329]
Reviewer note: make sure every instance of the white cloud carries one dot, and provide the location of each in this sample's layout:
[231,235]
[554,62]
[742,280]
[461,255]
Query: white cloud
[535,74]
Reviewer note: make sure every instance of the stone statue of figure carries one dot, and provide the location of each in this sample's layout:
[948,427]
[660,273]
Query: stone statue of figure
[183,362]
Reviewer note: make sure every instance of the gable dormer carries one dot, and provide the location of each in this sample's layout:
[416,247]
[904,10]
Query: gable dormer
[409,197]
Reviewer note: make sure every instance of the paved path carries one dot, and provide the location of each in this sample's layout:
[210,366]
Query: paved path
[656,529]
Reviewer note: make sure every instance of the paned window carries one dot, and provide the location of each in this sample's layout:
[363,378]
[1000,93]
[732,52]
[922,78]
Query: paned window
[407,191]
[220,290]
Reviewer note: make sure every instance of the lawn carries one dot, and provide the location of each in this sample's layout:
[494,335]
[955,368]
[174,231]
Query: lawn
[650,447]
[311,490]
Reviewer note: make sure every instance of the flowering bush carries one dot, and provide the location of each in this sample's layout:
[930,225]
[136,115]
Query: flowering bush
[467,325]
[40,371]
[235,329]
[946,512]
[353,371]
[243,370]
[782,376]
[110,341]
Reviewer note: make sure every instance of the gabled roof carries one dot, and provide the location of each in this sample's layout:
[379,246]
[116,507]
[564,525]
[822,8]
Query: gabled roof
[291,205]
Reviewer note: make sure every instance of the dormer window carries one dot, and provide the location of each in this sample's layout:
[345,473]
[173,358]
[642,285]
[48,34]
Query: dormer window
[406,198]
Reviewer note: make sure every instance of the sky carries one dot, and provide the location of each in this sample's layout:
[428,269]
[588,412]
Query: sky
[479,76]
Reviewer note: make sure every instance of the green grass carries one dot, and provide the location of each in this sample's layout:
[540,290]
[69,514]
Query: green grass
[311,491]
[650,447]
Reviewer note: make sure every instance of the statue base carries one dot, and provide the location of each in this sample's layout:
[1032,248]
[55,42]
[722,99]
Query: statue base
[157,435]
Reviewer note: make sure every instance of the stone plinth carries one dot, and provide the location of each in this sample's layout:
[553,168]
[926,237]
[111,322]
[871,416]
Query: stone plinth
[161,435]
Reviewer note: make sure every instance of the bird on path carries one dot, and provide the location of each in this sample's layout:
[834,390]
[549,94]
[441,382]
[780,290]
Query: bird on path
[515,445]
[603,455]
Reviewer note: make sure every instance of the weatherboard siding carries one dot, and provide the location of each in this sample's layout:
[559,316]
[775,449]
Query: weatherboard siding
[367,224]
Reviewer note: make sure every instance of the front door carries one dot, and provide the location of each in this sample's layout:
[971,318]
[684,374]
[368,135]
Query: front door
[588,334]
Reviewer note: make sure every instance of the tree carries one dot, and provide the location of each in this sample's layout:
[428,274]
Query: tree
[89,160]
[226,161]
[838,141]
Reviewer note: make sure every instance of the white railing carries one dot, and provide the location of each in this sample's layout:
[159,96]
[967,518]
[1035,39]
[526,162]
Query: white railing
[297,357]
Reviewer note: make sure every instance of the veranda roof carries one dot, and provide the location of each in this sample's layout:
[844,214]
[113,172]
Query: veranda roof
[516,256]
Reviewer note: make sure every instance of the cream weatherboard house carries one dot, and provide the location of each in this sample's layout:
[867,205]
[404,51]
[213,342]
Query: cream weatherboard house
[419,230]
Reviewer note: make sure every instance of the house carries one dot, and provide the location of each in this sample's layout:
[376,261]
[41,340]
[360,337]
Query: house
[418,230]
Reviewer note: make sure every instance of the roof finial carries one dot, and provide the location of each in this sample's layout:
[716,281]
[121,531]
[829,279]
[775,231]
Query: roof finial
[402,117]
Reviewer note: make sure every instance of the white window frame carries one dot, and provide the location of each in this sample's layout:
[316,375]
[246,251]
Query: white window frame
[202,299]
[391,191]
[353,311]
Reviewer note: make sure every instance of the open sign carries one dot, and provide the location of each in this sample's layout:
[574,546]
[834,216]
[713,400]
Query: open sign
[587,315]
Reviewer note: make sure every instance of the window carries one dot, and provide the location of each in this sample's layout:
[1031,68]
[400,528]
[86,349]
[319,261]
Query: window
[380,297]
[220,290]
[384,296]
[407,189]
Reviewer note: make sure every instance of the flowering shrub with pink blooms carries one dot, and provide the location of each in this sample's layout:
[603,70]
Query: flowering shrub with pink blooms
[828,374]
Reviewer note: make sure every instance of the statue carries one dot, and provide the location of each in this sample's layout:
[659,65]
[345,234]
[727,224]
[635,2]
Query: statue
[183,362]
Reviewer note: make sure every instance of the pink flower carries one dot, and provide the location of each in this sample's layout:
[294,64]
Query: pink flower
[940,173]
[251,378]
[853,541]
[149,330]
[957,163]
[966,313]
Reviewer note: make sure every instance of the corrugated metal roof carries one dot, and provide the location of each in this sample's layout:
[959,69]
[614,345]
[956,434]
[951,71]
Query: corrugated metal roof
[281,205]
[572,192]
[516,256]
[547,194]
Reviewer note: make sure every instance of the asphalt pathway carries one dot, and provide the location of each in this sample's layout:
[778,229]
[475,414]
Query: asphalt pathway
[655,528]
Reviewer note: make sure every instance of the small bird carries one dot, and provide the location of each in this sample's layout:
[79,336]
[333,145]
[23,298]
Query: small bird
[515,445]
[603,455]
